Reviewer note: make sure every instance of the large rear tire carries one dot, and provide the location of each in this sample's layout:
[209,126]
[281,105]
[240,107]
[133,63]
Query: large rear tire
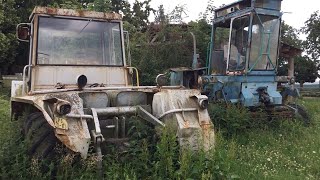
[40,139]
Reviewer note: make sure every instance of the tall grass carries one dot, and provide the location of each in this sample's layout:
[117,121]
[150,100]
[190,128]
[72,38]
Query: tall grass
[284,150]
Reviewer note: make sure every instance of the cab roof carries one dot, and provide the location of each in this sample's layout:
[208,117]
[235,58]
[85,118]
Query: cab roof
[75,13]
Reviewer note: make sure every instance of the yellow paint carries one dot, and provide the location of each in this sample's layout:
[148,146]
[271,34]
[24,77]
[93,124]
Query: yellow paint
[61,123]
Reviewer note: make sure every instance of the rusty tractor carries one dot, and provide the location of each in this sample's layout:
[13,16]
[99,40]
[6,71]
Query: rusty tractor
[78,87]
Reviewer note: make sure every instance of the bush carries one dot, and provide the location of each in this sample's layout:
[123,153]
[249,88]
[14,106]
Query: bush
[229,119]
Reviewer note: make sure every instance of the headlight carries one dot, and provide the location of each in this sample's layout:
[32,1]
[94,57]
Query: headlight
[63,108]
[202,101]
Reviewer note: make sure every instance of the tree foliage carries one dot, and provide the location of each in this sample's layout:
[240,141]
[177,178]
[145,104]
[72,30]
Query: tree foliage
[8,43]
[305,70]
[202,31]
[177,15]
[13,55]
[140,13]
[290,35]
[173,47]
[312,30]
[160,16]
[208,14]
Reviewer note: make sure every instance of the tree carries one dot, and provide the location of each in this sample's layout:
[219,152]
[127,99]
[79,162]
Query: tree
[305,70]
[289,35]
[100,5]
[69,4]
[160,16]
[208,14]
[8,42]
[202,31]
[178,14]
[139,14]
[312,30]
[160,47]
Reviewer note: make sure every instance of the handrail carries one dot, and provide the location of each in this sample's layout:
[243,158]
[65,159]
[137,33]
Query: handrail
[24,78]
[137,74]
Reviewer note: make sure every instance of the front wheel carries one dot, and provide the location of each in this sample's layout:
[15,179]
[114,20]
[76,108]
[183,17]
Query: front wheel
[39,135]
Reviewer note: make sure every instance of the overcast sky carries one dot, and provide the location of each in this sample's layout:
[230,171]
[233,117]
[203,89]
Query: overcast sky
[297,12]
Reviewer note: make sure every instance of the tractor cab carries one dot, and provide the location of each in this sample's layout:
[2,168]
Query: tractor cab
[68,48]
[245,38]
[244,53]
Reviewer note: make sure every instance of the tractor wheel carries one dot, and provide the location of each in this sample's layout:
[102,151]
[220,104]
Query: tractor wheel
[39,135]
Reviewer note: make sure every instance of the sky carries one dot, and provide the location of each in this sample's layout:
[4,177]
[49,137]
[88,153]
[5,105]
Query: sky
[296,12]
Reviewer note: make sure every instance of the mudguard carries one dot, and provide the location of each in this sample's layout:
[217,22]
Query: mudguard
[181,109]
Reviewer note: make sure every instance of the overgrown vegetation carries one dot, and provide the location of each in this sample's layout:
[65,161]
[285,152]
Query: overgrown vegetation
[283,150]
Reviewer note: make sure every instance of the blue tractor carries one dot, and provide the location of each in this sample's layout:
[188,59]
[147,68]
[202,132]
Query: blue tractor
[242,67]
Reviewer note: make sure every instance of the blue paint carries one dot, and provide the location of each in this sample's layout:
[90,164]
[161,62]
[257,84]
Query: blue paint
[243,68]
[240,86]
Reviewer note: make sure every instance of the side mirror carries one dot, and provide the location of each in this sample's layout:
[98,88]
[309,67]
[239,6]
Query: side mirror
[23,32]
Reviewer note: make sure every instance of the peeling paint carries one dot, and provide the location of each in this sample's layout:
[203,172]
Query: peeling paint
[75,13]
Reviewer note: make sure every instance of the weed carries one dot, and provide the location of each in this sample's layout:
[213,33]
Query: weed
[243,150]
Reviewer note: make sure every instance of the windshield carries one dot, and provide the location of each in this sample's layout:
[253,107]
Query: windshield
[264,45]
[79,42]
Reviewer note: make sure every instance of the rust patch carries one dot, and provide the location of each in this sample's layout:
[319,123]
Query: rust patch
[186,124]
[76,13]
[51,10]
[66,141]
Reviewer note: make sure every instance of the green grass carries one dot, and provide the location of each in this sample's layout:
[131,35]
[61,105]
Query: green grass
[282,150]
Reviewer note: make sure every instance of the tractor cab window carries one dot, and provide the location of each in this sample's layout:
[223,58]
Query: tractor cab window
[230,45]
[264,45]
[236,50]
[64,41]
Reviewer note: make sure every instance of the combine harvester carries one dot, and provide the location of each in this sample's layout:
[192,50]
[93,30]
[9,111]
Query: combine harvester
[242,67]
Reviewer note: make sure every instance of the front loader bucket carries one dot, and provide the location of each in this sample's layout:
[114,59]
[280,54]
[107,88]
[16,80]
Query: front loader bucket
[184,111]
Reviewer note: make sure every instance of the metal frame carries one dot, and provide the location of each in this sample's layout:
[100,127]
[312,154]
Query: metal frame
[230,36]
[251,11]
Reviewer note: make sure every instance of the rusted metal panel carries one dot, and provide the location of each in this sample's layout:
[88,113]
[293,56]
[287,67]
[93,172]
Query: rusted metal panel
[94,99]
[183,112]
[149,89]
[16,88]
[128,98]
[76,136]
[75,13]
[33,51]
